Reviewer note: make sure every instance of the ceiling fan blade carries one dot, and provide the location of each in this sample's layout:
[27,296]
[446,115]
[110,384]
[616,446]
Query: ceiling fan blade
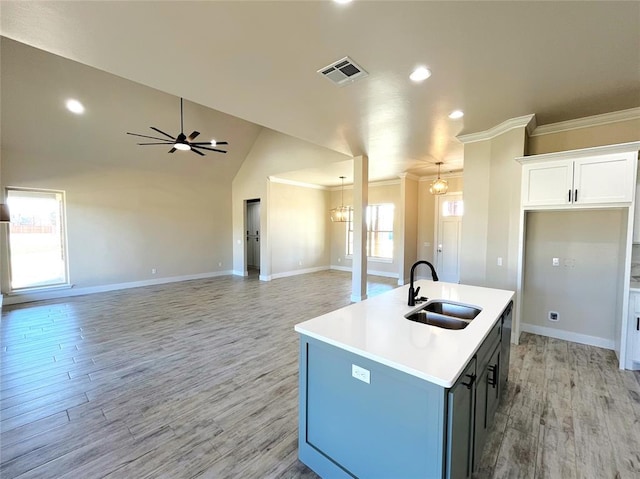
[209,149]
[163,143]
[209,143]
[146,136]
[160,131]
[196,151]
[193,135]
[172,150]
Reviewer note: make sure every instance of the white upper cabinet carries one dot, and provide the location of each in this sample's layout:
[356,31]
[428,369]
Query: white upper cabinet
[600,179]
[547,184]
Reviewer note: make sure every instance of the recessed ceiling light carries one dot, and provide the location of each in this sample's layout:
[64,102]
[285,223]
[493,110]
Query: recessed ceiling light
[75,106]
[455,114]
[342,1]
[214,142]
[420,74]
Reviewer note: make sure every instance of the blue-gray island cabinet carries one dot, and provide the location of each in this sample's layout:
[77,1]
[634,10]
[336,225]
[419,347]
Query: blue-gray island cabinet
[383,397]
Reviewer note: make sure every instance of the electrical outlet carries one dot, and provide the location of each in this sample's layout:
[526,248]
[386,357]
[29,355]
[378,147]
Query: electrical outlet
[219,263]
[555,262]
[554,316]
[361,374]
[153,271]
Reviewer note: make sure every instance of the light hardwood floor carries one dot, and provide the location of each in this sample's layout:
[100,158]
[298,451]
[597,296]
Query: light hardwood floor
[199,379]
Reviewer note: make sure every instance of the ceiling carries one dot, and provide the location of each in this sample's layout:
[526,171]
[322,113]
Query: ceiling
[258,61]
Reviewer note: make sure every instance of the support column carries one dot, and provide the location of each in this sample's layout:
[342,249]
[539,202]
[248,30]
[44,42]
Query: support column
[360,203]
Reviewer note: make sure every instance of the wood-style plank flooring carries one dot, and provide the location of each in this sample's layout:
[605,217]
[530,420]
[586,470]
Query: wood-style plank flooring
[199,379]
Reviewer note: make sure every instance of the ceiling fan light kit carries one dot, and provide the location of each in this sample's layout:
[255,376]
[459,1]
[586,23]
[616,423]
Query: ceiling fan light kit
[182,142]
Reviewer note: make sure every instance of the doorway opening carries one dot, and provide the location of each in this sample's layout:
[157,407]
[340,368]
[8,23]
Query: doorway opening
[252,222]
[37,239]
[450,209]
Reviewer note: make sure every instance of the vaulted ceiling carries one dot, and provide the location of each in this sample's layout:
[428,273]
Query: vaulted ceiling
[258,61]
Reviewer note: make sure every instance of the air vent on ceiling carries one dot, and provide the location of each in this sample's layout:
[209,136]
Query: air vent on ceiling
[343,71]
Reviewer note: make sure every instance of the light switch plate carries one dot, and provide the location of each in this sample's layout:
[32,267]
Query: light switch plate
[362,374]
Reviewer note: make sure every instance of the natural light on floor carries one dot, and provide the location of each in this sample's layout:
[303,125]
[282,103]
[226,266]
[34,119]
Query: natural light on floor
[36,239]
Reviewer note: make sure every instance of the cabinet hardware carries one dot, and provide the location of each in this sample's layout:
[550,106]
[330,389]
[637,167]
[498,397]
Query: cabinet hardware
[493,380]
[569,196]
[575,196]
[472,378]
[638,323]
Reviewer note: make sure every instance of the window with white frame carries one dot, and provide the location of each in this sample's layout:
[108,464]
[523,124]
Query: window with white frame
[37,245]
[379,231]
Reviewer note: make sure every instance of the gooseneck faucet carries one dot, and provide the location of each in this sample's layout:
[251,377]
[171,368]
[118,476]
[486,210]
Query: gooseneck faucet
[414,294]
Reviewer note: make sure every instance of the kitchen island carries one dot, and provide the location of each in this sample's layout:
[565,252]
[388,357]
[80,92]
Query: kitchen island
[383,396]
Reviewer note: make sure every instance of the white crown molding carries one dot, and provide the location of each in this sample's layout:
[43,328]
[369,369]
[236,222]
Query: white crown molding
[409,176]
[455,174]
[283,181]
[583,152]
[586,122]
[372,184]
[526,121]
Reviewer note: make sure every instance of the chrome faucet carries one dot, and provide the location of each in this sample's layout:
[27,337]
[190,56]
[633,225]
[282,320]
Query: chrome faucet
[413,295]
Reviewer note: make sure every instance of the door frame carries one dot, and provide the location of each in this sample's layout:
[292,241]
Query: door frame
[436,226]
[245,225]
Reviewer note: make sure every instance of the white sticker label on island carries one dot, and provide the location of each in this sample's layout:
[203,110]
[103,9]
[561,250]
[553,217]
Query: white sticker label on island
[361,373]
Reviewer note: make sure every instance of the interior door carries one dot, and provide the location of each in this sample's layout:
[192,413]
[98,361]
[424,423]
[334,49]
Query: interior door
[448,234]
[253,234]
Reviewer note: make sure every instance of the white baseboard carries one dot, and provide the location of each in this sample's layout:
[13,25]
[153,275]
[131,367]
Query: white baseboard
[384,274]
[27,297]
[235,272]
[296,272]
[568,336]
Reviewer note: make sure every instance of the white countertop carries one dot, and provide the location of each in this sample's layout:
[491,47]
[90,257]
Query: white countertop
[377,329]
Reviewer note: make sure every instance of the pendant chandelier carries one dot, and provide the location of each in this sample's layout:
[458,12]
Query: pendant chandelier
[439,186]
[341,213]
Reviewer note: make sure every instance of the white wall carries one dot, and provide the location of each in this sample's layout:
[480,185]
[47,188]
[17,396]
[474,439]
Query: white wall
[382,192]
[299,229]
[272,153]
[584,288]
[129,208]
[491,218]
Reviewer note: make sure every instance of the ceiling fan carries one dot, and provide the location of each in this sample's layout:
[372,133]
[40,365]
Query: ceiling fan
[182,142]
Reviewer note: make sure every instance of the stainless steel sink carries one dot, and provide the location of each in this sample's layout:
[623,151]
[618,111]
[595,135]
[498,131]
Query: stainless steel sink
[445,314]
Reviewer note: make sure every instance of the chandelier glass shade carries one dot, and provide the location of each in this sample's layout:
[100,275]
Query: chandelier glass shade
[439,186]
[340,214]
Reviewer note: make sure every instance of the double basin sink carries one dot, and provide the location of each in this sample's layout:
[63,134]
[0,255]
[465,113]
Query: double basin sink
[445,314]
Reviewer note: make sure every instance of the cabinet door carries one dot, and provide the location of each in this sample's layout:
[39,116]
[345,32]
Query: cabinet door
[493,387]
[636,338]
[460,424]
[604,179]
[547,184]
[636,217]
[634,328]
[505,347]
[487,400]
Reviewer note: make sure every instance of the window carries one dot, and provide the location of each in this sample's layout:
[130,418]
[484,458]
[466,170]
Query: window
[37,246]
[452,208]
[379,231]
